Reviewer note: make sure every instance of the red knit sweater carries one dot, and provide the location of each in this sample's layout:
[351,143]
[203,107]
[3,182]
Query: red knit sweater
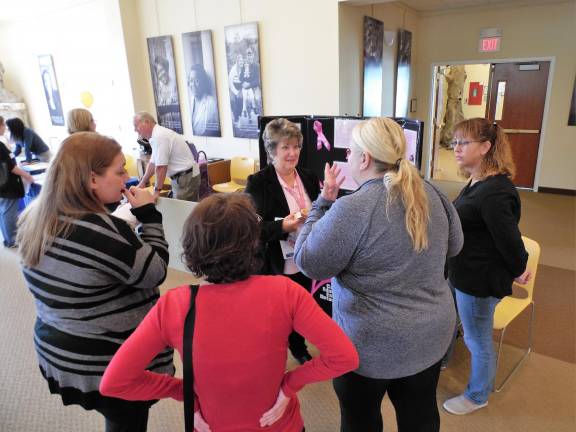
[239,351]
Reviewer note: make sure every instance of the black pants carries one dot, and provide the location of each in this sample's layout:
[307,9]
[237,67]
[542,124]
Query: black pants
[413,397]
[296,340]
[132,418]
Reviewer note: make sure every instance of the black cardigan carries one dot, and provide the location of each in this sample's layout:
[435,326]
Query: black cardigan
[270,201]
[14,188]
[493,253]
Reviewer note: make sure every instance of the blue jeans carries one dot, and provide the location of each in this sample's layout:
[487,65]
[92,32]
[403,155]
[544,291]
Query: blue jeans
[8,219]
[477,316]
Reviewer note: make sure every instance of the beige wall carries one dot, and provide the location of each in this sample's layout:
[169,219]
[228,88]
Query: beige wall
[87,48]
[298,51]
[351,53]
[529,32]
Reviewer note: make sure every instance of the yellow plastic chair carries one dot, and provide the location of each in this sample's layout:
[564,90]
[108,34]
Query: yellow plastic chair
[240,168]
[510,307]
[130,165]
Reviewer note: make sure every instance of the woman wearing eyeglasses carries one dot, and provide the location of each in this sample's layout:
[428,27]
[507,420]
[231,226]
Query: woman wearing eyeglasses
[493,254]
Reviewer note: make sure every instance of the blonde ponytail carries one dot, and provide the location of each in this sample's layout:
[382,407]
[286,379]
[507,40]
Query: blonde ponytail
[406,183]
[384,140]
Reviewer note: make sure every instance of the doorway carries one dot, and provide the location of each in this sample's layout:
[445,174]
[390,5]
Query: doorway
[512,94]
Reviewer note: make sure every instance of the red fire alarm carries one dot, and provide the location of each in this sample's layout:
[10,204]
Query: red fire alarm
[475,93]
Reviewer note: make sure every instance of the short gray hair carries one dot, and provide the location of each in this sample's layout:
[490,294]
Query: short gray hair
[144,116]
[277,130]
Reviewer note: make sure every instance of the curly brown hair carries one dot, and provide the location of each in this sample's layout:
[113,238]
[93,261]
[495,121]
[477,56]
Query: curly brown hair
[221,238]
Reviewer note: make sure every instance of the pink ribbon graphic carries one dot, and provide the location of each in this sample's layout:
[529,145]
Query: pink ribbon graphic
[321,140]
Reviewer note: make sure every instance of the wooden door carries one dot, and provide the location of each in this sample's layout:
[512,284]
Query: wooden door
[516,102]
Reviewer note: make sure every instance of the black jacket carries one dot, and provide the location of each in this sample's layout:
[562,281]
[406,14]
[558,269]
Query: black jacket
[493,253]
[14,189]
[268,196]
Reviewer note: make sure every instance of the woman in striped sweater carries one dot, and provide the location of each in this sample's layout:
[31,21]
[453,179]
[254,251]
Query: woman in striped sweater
[93,278]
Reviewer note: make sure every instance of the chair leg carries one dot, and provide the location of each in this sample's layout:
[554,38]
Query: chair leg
[517,366]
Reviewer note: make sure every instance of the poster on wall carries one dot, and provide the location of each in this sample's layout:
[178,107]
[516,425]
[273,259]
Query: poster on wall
[51,89]
[161,56]
[200,83]
[244,85]
[572,114]
[403,72]
[373,48]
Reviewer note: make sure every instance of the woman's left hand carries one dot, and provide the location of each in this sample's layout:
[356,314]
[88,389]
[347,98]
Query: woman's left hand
[524,278]
[276,412]
[200,424]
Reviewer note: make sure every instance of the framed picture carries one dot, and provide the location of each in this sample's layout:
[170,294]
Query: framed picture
[200,83]
[572,113]
[161,56]
[403,72]
[51,90]
[244,85]
[373,49]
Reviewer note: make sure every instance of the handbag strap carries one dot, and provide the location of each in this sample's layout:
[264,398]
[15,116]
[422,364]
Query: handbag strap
[187,366]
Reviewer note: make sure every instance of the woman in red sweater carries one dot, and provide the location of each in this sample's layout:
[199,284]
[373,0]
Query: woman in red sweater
[240,383]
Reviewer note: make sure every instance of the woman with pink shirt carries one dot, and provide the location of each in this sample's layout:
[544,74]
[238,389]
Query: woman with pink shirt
[240,335]
[281,191]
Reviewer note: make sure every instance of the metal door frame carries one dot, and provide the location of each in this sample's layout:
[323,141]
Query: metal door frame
[543,129]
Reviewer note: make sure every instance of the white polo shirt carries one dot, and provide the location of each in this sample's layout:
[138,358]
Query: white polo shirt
[170,149]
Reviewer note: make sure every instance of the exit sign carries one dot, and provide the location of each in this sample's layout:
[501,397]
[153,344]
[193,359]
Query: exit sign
[490,44]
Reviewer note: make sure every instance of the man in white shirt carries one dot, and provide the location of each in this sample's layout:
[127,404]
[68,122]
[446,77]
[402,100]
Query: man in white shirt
[171,157]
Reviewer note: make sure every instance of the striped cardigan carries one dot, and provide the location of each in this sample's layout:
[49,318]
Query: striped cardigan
[92,288]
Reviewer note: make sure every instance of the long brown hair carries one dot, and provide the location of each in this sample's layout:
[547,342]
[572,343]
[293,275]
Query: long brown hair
[66,192]
[498,160]
[384,140]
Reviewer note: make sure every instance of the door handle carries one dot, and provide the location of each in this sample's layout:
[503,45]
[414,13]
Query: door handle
[522,131]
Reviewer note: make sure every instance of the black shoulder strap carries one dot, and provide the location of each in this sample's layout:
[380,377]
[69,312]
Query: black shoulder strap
[187,365]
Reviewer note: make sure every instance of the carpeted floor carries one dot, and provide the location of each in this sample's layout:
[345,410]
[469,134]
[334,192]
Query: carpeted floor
[541,397]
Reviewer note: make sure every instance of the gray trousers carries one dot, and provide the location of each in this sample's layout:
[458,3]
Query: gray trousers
[186,187]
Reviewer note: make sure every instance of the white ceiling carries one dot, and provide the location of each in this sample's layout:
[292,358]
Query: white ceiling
[426,6]
[18,9]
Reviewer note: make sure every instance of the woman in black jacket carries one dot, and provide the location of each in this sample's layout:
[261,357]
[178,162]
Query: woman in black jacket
[25,138]
[493,255]
[283,193]
[11,190]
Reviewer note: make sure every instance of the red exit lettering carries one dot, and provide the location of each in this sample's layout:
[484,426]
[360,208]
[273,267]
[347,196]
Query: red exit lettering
[490,44]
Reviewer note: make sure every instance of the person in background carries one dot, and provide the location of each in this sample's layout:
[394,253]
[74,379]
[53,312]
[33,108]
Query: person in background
[25,138]
[240,333]
[80,120]
[92,277]
[493,255]
[171,157]
[385,246]
[11,191]
[281,191]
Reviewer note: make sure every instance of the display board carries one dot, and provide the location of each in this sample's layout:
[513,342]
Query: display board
[326,139]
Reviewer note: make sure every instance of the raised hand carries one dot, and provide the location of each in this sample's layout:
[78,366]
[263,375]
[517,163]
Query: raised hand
[139,197]
[331,182]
